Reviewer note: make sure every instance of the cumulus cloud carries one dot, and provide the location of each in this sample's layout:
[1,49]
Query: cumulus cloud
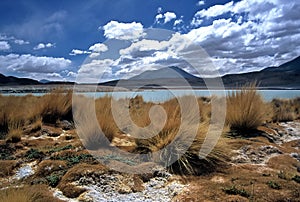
[215,10]
[29,64]
[178,21]
[200,3]
[98,47]
[250,36]
[144,45]
[159,10]
[166,17]
[13,39]
[4,45]
[43,45]
[93,50]
[79,52]
[169,16]
[20,42]
[94,70]
[254,35]
[72,74]
[123,31]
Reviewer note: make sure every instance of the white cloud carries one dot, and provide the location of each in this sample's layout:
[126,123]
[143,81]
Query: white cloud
[79,52]
[98,47]
[169,16]
[200,3]
[144,45]
[256,34]
[4,45]
[166,17]
[5,37]
[27,64]
[94,55]
[54,76]
[94,50]
[123,31]
[158,17]
[215,10]
[72,74]
[178,21]
[43,45]
[95,70]
[13,39]
[159,10]
[196,22]
[259,34]
[20,42]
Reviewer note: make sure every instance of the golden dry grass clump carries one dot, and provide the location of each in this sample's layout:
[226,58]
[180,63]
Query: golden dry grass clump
[14,135]
[246,109]
[180,141]
[7,166]
[286,110]
[16,111]
[94,121]
[35,193]
[56,105]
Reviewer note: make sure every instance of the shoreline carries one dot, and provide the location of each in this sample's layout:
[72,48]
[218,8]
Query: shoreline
[82,88]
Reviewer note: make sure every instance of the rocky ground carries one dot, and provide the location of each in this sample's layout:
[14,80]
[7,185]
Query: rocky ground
[263,167]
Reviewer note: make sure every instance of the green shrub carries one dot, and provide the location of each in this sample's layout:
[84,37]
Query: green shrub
[53,180]
[34,154]
[235,191]
[274,185]
[296,178]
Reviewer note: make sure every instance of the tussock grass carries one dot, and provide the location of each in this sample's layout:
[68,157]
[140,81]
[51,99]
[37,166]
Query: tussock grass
[56,105]
[7,167]
[94,122]
[285,110]
[180,142]
[105,117]
[15,112]
[46,167]
[246,109]
[14,135]
[36,193]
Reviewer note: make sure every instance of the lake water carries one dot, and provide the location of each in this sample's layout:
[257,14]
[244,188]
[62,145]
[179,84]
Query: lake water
[163,95]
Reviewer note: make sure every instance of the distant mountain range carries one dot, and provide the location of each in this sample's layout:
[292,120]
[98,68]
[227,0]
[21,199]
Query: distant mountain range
[284,76]
[15,81]
[11,80]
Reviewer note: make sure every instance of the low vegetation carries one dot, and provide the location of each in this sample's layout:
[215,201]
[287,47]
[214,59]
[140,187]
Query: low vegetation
[233,190]
[246,109]
[286,110]
[61,160]
[37,193]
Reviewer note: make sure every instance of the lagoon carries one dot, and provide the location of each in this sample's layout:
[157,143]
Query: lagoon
[164,95]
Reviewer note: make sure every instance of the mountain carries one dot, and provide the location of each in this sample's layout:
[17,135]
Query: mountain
[11,80]
[286,75]
[15,81]
[164,73]
[168,77]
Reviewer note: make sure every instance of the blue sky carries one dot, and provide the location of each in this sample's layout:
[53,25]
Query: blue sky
[57,40]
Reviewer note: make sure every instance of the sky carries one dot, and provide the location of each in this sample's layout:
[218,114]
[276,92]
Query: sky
[65,40]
